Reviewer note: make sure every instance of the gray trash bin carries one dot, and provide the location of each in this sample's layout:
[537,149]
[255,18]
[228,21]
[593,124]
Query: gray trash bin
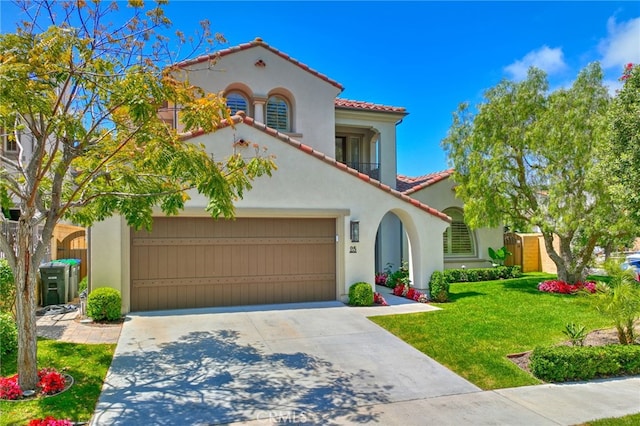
[74,274]
[55,283]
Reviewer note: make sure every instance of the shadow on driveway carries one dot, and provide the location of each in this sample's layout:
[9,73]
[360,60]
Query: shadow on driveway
[207,377]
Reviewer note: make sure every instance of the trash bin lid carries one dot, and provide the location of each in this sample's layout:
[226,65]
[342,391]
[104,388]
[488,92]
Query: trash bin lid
[54,264]
[69,261]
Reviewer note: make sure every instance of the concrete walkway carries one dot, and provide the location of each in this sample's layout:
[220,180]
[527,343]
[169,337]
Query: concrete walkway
[318,363]
[68,328]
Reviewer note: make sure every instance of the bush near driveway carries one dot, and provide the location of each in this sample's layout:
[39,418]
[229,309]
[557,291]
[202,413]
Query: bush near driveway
[361,294]
[104,303]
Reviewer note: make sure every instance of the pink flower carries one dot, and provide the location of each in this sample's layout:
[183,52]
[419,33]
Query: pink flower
[558,286]
[50,421]
[51,382]
[381,278]
[9,388]
[379,300]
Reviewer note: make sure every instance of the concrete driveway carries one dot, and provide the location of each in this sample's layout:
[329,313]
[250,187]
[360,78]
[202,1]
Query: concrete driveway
[318,363]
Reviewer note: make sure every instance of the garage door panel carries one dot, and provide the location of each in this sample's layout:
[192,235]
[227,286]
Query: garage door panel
[196,262]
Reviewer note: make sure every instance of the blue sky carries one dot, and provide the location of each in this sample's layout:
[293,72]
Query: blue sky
[425,56]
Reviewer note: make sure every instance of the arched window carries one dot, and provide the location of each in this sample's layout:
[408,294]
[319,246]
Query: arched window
[457,238]
[236,101]
[278,113]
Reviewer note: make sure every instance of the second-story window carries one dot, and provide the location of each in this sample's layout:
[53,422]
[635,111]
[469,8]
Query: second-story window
[236,101]
[278,112]
[9,143]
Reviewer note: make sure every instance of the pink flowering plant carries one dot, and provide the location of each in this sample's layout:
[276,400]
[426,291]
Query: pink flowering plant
[50,382]
[50,421]
[410,293]
[379,300]
[381,278]
[558,286]
[9,388]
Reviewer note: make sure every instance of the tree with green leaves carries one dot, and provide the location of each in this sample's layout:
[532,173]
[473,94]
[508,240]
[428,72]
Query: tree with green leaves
[528,157]
[623,152]
[80,98]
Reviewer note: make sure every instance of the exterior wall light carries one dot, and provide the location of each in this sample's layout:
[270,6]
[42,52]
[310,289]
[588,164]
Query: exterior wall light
[355,231]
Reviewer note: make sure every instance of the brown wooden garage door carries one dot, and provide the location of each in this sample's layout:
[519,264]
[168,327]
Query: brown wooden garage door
[201,262]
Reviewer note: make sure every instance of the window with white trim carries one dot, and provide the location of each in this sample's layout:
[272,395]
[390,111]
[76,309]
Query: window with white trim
[236,101]
[9,143]
[278,112]
[458,239]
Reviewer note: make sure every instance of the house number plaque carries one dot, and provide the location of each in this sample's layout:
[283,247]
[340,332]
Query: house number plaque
[353,249]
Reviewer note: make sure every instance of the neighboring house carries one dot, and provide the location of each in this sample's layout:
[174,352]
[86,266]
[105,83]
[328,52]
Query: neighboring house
[461,244]
[328,217]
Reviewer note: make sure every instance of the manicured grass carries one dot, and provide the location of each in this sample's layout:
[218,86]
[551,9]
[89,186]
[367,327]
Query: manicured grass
[87,364]
[485,321]
[630,420]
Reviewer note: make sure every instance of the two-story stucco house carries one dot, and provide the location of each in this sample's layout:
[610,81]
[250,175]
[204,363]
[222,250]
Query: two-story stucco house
[329,216]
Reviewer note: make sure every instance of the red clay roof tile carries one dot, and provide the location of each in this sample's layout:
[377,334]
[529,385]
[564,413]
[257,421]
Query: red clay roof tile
[368,106]
[408,185]
[343,167]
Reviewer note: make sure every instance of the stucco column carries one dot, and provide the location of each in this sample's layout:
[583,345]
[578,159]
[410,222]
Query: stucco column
[387,140]
[258,108]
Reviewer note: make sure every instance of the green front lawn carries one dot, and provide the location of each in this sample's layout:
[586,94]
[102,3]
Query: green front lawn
[630,420]
[87,364]
[485,321]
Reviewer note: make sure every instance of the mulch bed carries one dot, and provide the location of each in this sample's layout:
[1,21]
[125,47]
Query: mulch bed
[595,338]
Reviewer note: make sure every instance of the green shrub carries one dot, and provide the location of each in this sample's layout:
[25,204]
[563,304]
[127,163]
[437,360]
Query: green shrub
[482,274]
[8,334]
[361,294]
[399,277]
[570,363]
[438,287]
[619,300]
[104,303]
[7,287]
[83,284]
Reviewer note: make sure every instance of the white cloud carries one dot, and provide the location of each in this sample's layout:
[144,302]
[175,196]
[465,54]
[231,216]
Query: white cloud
[613,86]
[622,44]
[549,60]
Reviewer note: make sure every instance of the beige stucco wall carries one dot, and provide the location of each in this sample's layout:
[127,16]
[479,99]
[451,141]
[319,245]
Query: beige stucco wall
[312,97]
[303,186]
[441,195]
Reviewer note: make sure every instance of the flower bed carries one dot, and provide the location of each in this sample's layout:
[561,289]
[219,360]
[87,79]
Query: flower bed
[379,300]
[50,382]
[558,286]
[50,421]
[410,293]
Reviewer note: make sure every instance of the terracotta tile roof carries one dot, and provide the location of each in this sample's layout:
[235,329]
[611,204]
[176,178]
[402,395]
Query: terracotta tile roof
[242,118]
[408,185]
[368,106]
[255,43]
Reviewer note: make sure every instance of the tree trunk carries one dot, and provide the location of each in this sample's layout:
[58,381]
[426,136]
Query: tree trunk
[570,266]
[26,282]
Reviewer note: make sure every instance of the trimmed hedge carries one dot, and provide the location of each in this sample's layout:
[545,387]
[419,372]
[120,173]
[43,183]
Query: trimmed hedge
[482,274]
[361,294]
[104,303]
[438,287]
[571,363]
